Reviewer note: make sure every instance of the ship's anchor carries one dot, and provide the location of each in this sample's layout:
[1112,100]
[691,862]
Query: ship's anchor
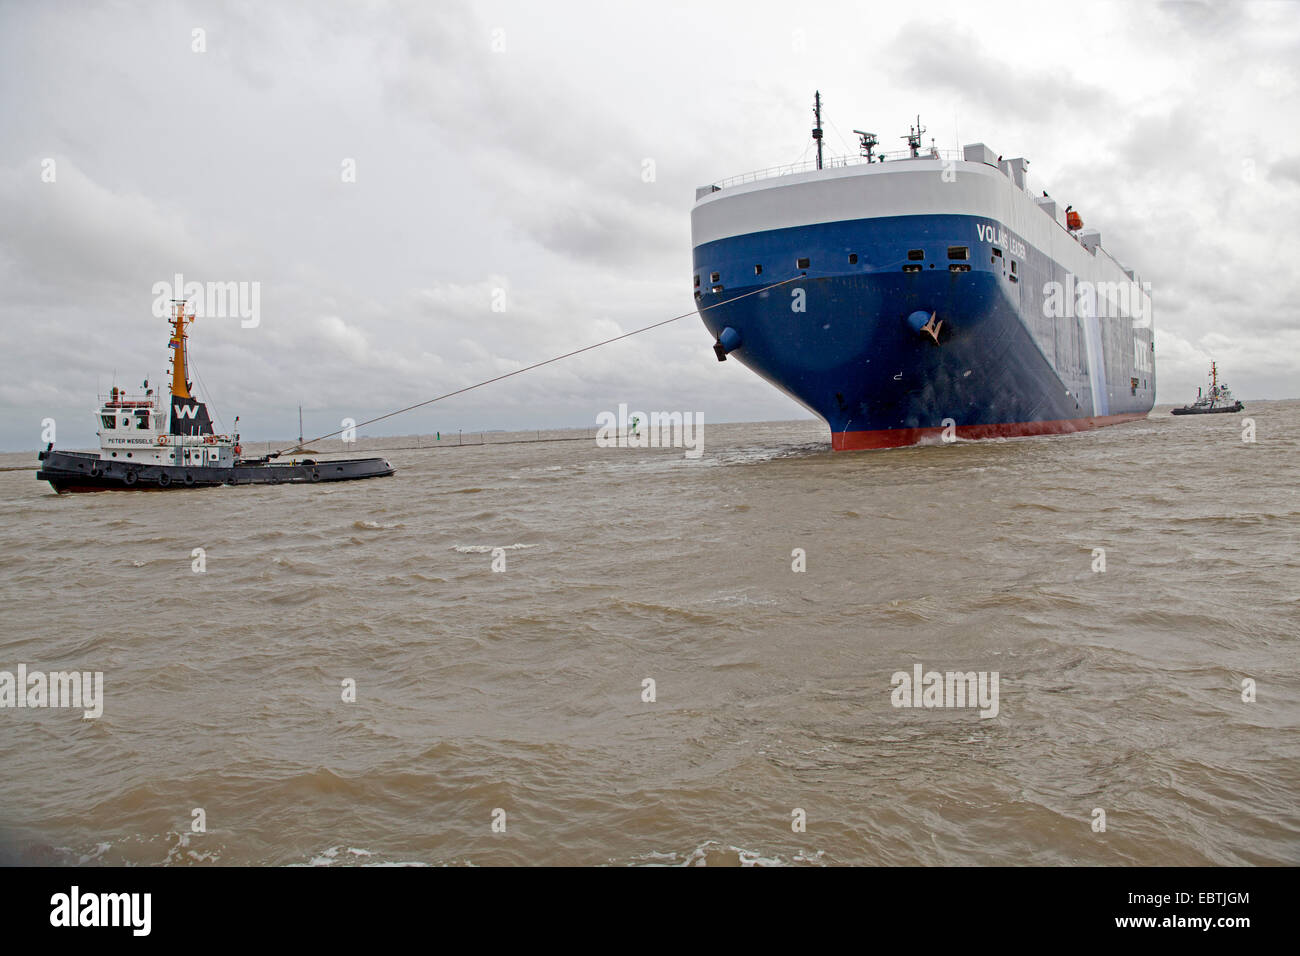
[921,323]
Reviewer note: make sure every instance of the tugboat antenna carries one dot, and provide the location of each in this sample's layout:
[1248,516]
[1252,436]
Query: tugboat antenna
[817,129]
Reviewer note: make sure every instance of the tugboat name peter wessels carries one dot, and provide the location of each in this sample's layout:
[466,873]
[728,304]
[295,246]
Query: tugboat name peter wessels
[145,445]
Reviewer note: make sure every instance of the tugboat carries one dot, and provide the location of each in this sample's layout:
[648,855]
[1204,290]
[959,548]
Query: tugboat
[1218,401]
[144,444]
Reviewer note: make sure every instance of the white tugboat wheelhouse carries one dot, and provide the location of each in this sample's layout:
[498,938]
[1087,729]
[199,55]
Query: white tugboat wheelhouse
[140,428]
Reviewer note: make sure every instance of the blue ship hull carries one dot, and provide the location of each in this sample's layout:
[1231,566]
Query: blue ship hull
[838,337]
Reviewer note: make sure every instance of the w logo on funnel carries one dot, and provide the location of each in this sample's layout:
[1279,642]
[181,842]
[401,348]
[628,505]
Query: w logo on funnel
[190,417]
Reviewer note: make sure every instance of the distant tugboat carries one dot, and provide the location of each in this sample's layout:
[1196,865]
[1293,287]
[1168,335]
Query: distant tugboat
[1218,401]
[140,448]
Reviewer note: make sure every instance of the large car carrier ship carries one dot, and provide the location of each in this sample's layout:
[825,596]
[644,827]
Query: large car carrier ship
[900,297]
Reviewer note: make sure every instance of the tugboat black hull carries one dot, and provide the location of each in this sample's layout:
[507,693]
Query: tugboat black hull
[80,471]
[1221,410]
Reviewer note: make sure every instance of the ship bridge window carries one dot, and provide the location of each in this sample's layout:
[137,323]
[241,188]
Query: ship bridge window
[958,252]
[714,277]
[802,263]
[125,422]
[915,254]
[142,419]
[110,421]
[758,270]
[853,258]
[997,254]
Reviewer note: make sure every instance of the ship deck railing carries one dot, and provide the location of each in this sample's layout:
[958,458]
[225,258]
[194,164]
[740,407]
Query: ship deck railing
[835,162]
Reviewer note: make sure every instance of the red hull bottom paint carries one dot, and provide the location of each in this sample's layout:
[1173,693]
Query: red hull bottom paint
[900,437]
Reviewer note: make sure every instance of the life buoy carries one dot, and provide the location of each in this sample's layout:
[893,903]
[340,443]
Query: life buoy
[238,450]
[163,440]
[129,478]
[164,480]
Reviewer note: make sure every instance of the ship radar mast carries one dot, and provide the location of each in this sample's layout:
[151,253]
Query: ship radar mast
[867,142]
[817,129]
[913,137]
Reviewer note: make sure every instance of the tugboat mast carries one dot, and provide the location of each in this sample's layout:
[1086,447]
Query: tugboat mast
[817,129]
[180,371]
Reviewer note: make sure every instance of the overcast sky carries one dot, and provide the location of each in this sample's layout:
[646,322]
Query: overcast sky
[502,146]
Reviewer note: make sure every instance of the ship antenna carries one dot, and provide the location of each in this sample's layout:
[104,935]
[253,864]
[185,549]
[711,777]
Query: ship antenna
[913,137]
[817,129]
[868,143]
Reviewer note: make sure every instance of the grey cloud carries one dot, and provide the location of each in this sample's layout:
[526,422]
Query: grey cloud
[943,56]
[1286,170]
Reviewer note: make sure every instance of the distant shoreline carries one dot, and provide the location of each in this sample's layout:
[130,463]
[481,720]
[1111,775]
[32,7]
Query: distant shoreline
[462,439]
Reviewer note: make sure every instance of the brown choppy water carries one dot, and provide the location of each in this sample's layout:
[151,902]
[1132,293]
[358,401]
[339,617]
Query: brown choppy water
[522,690]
